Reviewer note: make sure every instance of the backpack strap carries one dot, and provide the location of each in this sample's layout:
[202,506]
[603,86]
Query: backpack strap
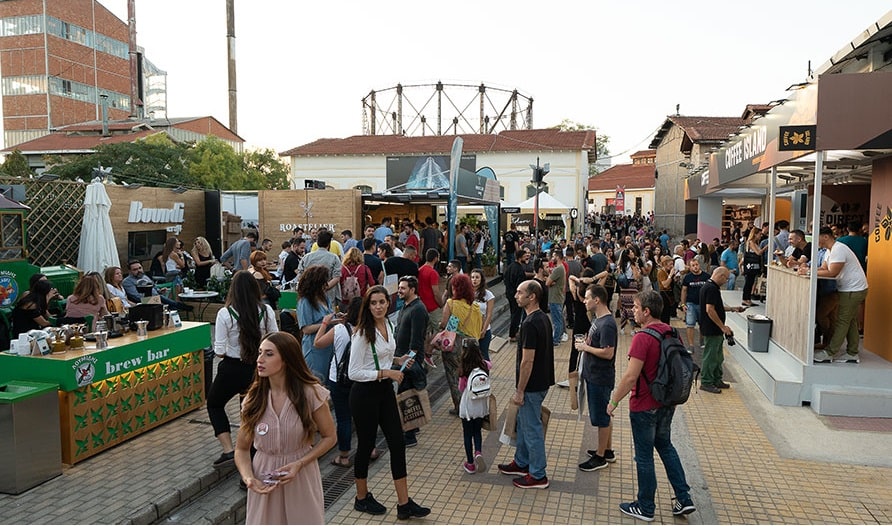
[657,336]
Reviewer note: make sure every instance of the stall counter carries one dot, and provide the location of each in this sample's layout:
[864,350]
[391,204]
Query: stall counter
[109,396]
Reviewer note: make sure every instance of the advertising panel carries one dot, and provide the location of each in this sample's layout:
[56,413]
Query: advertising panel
[423,172]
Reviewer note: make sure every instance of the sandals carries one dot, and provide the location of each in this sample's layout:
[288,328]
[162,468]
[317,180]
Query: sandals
[375,454]
[341,462]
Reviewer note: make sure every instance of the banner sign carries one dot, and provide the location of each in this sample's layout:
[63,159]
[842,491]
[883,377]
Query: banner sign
[793,138]
[425,172]
[620,201]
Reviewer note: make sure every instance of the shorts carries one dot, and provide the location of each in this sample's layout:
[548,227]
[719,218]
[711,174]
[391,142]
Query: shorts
[598,398]
[692,315]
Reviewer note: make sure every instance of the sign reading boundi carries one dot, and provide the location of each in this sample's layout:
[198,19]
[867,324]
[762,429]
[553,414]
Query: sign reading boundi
[793,138]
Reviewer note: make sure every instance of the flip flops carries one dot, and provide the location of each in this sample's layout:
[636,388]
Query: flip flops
[341,462]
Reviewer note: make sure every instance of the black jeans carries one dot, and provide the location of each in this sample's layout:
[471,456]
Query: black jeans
[233,377]
[471,430]
[374,404]
[748,283]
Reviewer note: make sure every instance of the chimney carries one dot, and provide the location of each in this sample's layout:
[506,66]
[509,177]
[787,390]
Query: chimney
[134,60]
[104,103]
[230,51]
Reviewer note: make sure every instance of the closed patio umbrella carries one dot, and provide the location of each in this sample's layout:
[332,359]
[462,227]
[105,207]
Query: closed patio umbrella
[97,249]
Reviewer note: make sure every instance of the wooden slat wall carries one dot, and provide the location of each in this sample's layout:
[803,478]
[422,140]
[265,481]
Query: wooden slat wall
[788,308]
[341,208]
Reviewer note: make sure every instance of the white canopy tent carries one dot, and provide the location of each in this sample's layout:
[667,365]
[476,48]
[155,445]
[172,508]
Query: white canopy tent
[548,204]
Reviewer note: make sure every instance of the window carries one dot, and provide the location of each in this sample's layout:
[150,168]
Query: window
[21,25]
[25,85]
[638,205]
[143,245]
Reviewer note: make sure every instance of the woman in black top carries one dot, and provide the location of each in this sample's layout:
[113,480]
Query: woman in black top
[32,309]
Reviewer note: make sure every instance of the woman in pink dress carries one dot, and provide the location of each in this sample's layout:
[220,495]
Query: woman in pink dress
[284,409]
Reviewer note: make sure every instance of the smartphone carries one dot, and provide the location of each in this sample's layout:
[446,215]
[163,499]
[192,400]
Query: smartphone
[411,356]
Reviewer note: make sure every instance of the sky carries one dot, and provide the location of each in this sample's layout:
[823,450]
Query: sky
[620,66]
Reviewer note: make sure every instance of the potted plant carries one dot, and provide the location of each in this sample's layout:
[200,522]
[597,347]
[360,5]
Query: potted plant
[490,262]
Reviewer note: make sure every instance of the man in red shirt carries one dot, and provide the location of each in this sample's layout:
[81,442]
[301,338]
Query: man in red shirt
[651,421]
[429,292]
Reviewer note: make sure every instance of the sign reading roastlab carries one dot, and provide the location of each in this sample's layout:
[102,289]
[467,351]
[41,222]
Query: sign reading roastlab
[423,172]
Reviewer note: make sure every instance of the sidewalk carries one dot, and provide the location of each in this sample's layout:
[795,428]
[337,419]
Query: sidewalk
[746,461]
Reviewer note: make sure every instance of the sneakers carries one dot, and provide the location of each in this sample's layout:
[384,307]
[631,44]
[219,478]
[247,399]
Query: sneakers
[593,464]
[846,358]
[410,509]
[429,361]
[513,469]
[710,389]
[564,383]
[633,509]
[528,482]
[823,357]
[370,505]
[469,467]
[411,441]
[564,337]
[609,455]
[723,385]
[683,508]
[479,461]
[225,459]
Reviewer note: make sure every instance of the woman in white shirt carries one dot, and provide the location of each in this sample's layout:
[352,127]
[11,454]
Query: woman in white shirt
[114,277]
[485,299]
[373,403]
[239,327]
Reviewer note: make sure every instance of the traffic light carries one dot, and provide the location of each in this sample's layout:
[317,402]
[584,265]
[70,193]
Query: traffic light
[539,172]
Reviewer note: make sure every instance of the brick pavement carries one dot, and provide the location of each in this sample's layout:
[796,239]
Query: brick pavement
[741,466]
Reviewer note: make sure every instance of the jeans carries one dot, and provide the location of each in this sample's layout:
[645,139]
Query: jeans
[732,281]
[472,433]
[557,319]
[653,430]
[531,435]
[713,358]
[749,280]
[464,263]
[340,398]
[484,342]
[509,258]
[598,398]
[847,322]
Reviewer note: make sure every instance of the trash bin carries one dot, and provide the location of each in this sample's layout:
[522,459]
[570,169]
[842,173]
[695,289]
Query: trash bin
[30,437]
[64,277]
[758,331]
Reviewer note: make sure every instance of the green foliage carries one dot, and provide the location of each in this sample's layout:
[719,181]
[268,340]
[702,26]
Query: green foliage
[16,165]
[602,141]
[214,164]
[220,286]
[489,257]
[265,171]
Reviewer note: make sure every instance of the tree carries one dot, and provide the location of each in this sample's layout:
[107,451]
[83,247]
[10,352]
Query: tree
[16,165]
[264,170]
[214,164]
[154,161]
[602,141]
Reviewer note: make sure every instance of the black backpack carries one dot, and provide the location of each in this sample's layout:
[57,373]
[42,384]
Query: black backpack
[342,367]
[676,370]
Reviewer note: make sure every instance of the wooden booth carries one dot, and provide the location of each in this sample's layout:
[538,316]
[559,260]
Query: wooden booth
[281,211]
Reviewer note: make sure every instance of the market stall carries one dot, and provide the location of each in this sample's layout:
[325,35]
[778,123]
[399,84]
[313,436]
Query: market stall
[109,396]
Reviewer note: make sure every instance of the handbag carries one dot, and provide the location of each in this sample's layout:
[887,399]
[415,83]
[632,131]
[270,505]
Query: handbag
[493,415]
[752,262]
[414,407]
[444,340]
[342,366]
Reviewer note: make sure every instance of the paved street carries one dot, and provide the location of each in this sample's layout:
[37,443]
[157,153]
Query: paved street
[746,461]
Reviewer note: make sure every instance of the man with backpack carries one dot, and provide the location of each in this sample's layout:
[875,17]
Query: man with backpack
[651,420]
[714,331]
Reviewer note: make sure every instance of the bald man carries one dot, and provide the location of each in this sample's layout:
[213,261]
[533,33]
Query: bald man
[714,330]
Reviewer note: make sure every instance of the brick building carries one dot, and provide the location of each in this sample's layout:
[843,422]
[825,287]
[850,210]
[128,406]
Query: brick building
[57,57]
[637,181]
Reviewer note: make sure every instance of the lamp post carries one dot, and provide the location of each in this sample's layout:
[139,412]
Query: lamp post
[539,173]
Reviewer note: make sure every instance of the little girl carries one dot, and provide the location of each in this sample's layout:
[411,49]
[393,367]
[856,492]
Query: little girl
[472,410]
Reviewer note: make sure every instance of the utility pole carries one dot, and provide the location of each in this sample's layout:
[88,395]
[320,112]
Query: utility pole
[230,52]
[539,173]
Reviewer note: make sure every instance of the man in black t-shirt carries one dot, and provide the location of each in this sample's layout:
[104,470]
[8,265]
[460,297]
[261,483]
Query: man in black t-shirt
[510,241]
[691,284]
[371,259]
[534,375]
[714,330]
[289,268]
[430,237]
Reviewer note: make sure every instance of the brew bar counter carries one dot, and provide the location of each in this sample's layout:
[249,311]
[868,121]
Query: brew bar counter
[109,396]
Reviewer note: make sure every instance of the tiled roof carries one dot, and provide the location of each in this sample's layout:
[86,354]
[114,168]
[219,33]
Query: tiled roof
[644,154]
[63,142]
[506,141]
[630,175]
[700,129]
[96,126]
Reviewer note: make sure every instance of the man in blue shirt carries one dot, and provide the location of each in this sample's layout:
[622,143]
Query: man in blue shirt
[384,230]
[729,261]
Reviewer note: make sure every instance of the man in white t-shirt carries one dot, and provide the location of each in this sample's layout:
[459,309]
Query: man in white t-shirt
[851,284]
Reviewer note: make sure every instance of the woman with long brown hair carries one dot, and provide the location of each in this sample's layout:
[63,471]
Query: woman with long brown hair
[86,300]
[373,403]
[470,322]
[752,263]
[312,307]
[239,326]
[485,299]
[263,277]
[284,408]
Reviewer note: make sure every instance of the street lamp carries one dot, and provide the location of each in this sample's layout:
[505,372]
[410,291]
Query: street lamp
[539,173]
